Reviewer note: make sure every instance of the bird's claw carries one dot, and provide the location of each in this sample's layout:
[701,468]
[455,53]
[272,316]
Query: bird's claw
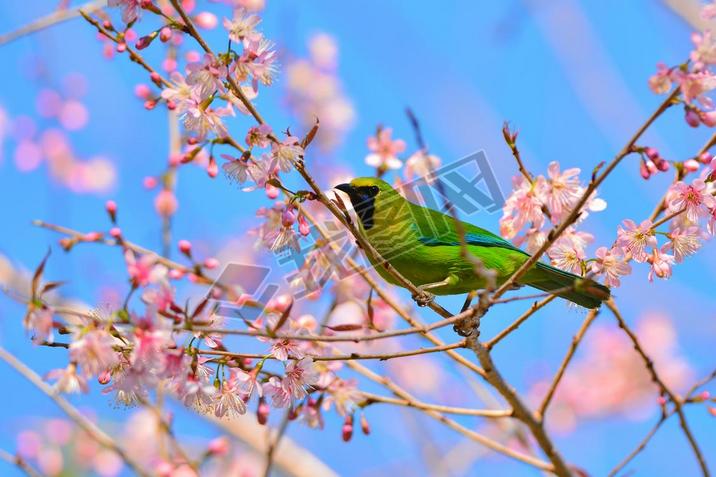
[423,298]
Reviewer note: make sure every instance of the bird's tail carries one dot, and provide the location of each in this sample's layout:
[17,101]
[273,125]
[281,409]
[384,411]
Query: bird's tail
[584,292]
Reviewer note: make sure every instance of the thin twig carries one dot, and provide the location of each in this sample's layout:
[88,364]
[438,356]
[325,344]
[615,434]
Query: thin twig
[58,16]
[371,398]
[18,461]
[80,419]
[663,388]
[588,320]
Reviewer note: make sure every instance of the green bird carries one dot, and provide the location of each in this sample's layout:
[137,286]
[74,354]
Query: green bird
[425,247]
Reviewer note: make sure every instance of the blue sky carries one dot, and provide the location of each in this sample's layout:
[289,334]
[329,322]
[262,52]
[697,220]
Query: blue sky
[570,75]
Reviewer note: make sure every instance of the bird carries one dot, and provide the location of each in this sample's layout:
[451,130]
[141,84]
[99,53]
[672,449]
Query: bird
[425,246]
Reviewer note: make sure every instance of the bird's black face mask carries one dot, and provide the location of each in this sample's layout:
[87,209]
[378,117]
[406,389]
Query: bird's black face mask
[363,200]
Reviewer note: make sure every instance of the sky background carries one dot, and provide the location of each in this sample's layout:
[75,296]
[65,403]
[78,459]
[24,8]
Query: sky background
[570,75]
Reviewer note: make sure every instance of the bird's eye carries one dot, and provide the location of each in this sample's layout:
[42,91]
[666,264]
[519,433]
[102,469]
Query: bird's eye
[374,190]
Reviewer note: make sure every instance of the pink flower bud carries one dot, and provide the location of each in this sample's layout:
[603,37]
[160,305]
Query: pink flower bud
[218,446]
[280,304]
[165,34]
[288,217]
[169,64]
[713,164]
[303,227]
[262,413]
[111,208]
[166,203]
[206,20]
[691,165]
[644,170]
[192,141]
[212,169]
[712,411]
[142,91]
[154,76]
[705,157]
[171,105]
[709,119]
[115,232]
[149,182]
[347,431]
[364,426]
[271,191]
[104,377]
[150,104]
[651,166]
[661,401]
[651,153]
[211,263]
[145,3]
[662,164]
[185,247]
[192,56]
[176,159]
[176,274]
[144,42]
[692,118]
[121,47]
[193,278]
[92,236]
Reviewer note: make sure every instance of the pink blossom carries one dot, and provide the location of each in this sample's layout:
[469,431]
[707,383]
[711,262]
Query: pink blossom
[661,264]
[566,256]
[694,85]
[228,402]
[144,271]
[131,9]
[259,60]
[258,136]
[420,165]
[684,242]
[523,206]
[300,375]
[282,349]
[384,150]
[562,189]
[40,323]
[242,25]
[634,239]
[705,48]
[694,198]
[286,153]
[181,93]
[708,11]
[344,394]
[660,83]
[67,380]
[280,396]
[94,351]
[197,393]
[612,264]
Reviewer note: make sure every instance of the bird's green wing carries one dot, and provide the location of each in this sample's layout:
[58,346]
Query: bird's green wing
[435,229]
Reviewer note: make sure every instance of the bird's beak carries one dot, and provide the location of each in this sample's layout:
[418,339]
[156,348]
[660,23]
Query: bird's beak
[347,188]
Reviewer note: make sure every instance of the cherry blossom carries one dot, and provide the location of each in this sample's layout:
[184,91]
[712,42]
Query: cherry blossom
[693,198]
[661,264]
[384,150]
[634,239]
[611,264]
[242,25]
[684,242]
[566,256]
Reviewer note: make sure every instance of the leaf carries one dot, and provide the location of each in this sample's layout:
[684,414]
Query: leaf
[283,318]
[37,276]
[311,135]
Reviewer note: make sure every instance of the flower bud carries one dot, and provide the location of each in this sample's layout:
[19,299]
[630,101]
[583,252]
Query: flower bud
[691,165]
[211,263]
[644,170]
[145,41]
[364,426]
[709,119]
[662,164]
[347,431]
[271,191]
[111,207]
[166,203]
[165,34]
[288,217]
[303,227]
[218,446]
[185,247]
[262,412]
[150,104]
[115,232]
[142,91]
[149,182]
[206,20]
[661,401]
[176,274]
[692,118]
[104,377]
[212,169]
[651,153]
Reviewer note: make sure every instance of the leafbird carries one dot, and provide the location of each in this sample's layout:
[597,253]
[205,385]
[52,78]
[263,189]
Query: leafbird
[425,247]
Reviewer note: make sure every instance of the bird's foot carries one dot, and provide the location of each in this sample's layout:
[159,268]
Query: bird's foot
[423,298]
